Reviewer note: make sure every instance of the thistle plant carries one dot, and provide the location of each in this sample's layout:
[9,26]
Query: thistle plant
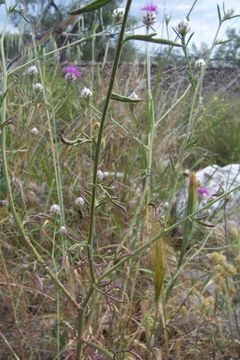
[94,229]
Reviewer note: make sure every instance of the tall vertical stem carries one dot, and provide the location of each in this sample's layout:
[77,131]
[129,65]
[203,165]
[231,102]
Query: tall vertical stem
[99,141]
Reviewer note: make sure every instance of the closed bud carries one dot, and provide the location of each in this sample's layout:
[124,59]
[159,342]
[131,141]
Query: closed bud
[183,27]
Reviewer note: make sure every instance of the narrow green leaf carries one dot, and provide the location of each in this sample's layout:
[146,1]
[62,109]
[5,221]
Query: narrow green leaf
[222,42]
[94,5]
[152,39]
[189,39]
[125,99]
[219,13]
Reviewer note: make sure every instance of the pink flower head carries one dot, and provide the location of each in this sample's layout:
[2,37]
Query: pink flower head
[71,72]
[71,69]
[150,8]
[202,191]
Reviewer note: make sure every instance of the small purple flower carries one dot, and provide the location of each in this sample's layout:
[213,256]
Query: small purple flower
[202,191]
[71,73]
[149,17]
[150,8]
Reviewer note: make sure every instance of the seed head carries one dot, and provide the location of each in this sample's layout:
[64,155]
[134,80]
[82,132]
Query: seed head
[55,209]
[217,258]
[183,27]
[86,93]
[37,87]
[32,70]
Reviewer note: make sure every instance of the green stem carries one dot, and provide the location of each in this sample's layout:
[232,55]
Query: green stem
[90,248]
[99,141]
[150,122]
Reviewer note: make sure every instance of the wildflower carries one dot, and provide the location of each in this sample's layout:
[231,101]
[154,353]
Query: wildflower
[34,131]
[229,13]
[149,18]
[183,27]
[79,201]
[150,8]
[100,175]
[118,14]
[32,70]
[37,87]
[86,93]
[199,64]
[63,230]
[55,209]
[71,73]
[203,191]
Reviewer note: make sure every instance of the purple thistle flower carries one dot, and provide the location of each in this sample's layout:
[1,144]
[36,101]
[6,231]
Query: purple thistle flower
[202,191]
[150,8]
[71,69]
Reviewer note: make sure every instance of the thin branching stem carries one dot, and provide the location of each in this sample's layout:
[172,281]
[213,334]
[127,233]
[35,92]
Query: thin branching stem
[90,242]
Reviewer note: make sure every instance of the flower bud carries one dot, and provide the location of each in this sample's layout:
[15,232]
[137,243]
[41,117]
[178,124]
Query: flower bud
[79,201]
[183,27]
[63,230]
[228,14]
[37,87]
[199,64]
[34,131]
[118,14]
[86,93]
[32,70]
[55,209]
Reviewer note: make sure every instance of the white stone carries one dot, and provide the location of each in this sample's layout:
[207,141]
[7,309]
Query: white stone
[217,180]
